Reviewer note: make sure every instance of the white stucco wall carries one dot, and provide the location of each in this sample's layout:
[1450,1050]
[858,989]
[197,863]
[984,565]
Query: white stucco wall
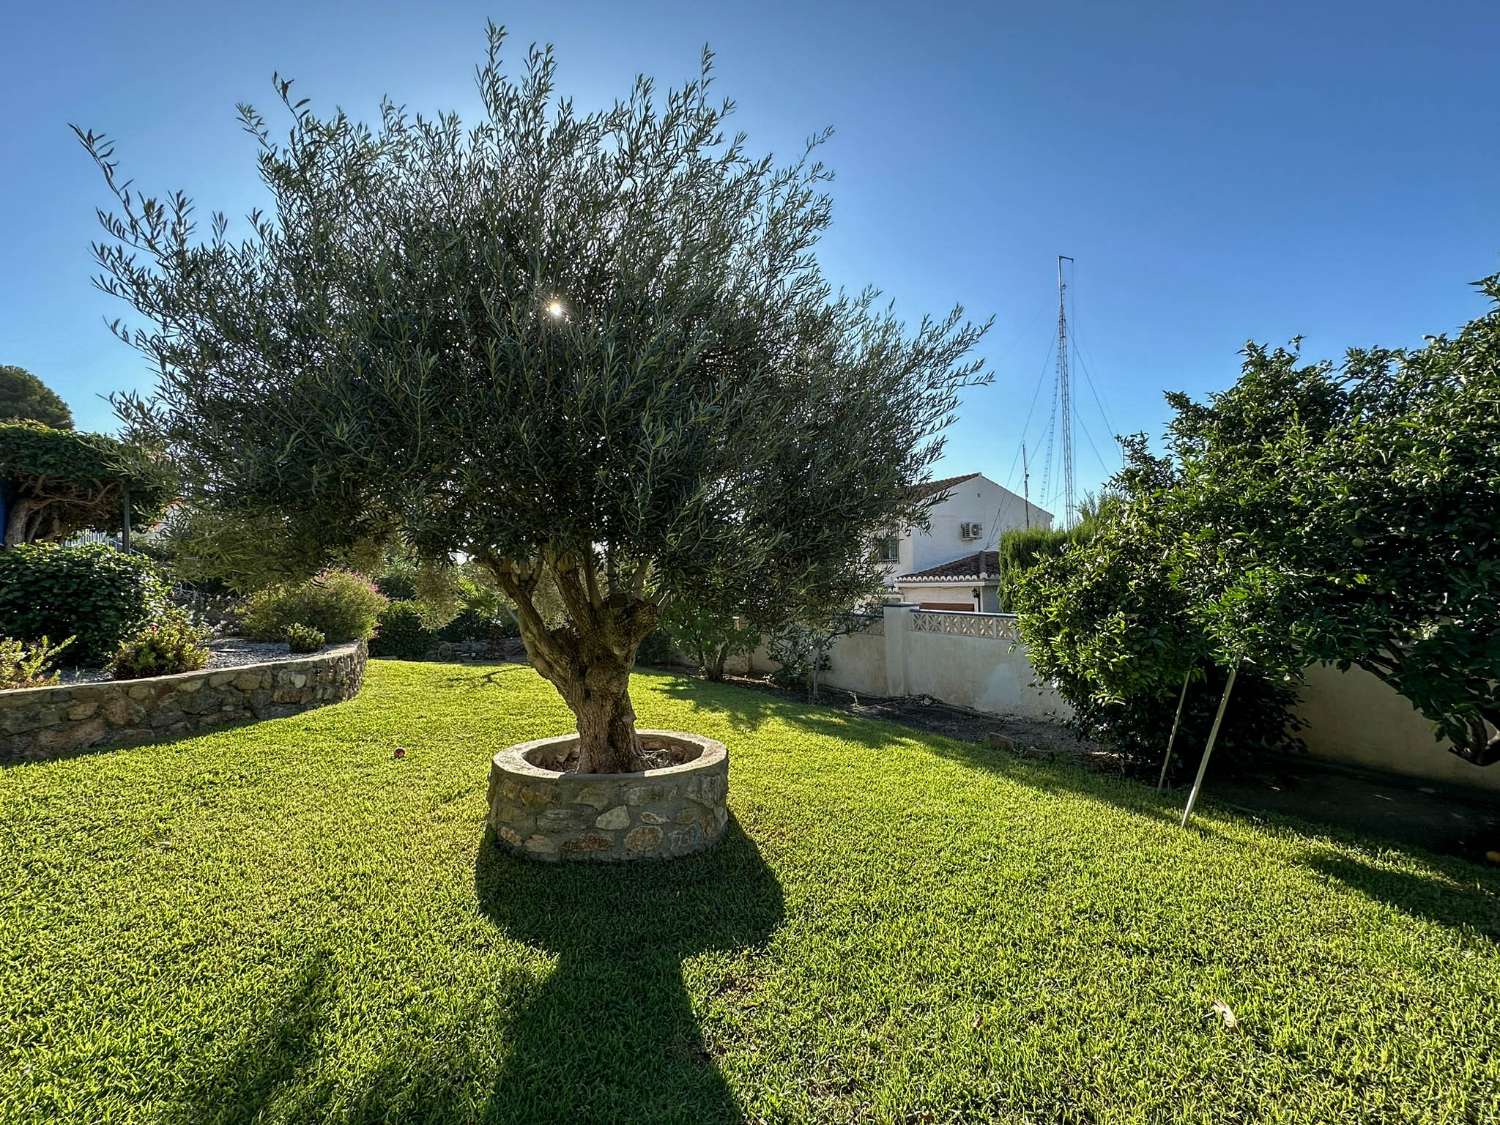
[984,673]
[857,663]
[1354,717]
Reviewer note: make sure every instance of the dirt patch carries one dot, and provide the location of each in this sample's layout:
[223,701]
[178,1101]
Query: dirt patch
[657,754]
[1025,737]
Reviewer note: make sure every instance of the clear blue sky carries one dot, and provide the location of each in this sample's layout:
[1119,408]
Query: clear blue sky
[1219,171]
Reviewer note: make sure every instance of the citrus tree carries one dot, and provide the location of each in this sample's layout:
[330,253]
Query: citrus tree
[593,352]
[1309,513]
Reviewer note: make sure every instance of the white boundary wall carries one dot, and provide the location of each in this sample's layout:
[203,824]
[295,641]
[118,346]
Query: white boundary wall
[976,660]
[972,660]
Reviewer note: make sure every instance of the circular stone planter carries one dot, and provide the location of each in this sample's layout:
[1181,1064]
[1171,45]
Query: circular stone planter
[675,810]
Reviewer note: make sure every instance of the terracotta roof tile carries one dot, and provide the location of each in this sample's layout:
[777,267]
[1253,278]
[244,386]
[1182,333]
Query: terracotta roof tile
[980,564]
[938,487]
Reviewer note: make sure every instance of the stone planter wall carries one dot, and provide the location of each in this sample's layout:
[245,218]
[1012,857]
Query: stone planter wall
[38,724]
[659,813]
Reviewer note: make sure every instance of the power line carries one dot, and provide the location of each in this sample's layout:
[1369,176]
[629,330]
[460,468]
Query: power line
[1099,402]
[1026,427]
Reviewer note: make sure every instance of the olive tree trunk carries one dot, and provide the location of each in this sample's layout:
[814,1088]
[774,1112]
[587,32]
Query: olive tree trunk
[599,697]
[588,659]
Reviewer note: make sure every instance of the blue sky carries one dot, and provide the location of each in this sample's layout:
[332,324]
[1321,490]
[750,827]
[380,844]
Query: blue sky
[1219,171]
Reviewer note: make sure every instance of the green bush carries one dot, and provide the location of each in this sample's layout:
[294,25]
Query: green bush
[164,649]
[340,604]
[1023,548]
[304,638]
[1108,625]
[398,584]
[95,594]
[475,624]
[402,633]
[25,665]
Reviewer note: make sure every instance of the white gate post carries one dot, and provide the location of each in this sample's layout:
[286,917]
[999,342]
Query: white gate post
[897,628]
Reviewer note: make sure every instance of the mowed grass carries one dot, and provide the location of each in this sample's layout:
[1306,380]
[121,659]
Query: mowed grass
[284,922]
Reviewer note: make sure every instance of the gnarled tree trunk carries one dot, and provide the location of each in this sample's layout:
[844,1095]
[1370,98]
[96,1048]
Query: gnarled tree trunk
[589,659]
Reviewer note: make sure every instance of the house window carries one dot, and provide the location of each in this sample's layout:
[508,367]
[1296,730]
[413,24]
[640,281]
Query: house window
[888,549]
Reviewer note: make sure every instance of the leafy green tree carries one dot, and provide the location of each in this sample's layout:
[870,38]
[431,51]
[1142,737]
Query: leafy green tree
[710,634]
[25,398]
[59,482]
[1309,513]
[1108,623]
[1350,515]
[591,351]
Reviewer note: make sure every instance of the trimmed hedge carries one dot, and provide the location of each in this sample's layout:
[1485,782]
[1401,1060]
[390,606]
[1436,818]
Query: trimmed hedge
[402,634]
[95,594]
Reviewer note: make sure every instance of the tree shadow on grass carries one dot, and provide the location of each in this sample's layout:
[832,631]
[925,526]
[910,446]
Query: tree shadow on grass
[269,1057]
[611,1035]
[1468,900]
[477,674]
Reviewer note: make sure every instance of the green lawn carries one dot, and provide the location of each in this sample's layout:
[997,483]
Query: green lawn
[283,922]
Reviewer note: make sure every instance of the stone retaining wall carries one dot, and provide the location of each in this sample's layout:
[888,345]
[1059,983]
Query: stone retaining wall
[658,813]
[37,724]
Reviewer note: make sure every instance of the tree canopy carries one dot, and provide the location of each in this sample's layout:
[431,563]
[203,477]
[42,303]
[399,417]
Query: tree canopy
[59,482]
[25,398]
[589,350]
[1314,513]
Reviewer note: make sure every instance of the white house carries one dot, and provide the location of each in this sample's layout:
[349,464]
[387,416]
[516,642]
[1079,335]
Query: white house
[954,564]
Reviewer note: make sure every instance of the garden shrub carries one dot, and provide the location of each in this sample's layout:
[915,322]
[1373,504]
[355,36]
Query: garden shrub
[304,638]
[1023,548]
[796,654]
[163,649]
[656,649]
[398,584]
[402,633]
[473,623]
[1110,624]
[708,635]
[95,594]
[24,665]
[342,605]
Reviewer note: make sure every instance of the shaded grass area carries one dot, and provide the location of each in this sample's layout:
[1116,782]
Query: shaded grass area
[283,922]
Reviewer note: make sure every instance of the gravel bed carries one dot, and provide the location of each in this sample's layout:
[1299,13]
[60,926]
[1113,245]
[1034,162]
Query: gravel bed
[226,652]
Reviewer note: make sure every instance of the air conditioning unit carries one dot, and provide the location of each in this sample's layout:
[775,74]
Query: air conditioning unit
[970,530]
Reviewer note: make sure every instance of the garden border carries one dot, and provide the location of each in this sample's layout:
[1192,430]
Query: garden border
[41,724]
[654,814]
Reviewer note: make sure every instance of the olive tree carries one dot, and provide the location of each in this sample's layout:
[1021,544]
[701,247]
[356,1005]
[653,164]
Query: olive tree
[590,351]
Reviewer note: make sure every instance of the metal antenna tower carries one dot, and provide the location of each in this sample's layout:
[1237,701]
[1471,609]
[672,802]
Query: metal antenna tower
[1064,395]
[1026,485]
